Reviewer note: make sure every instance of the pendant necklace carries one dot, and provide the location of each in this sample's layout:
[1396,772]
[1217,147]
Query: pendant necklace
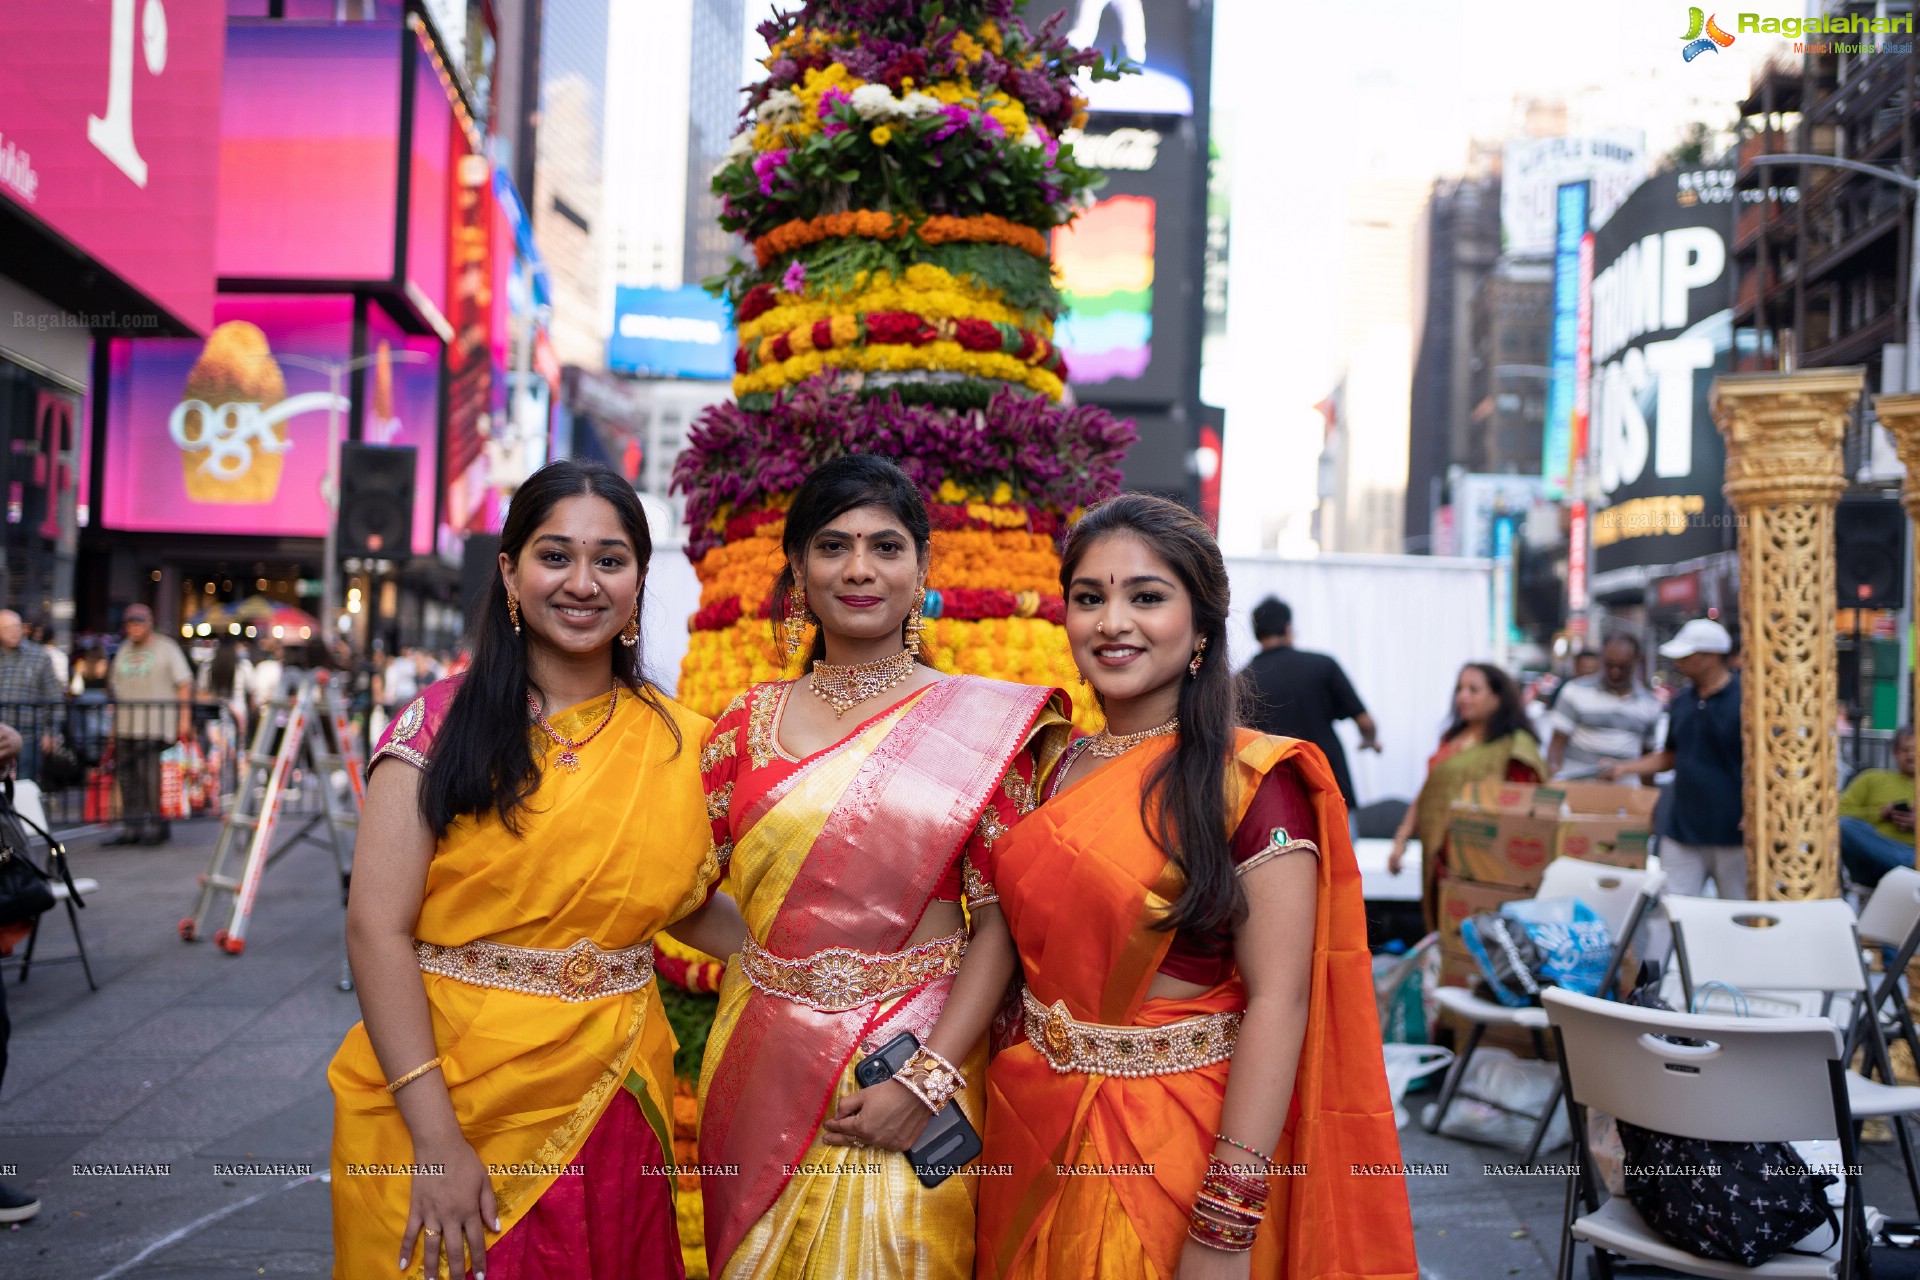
[843,688]
[1107,745]
[569,757]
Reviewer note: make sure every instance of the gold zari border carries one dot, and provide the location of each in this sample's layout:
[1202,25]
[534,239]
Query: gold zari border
[582,972]
[1092,1049]
[840,978]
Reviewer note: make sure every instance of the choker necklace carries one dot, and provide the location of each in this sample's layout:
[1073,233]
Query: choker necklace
[569,757]
[843,688]
[1105,745]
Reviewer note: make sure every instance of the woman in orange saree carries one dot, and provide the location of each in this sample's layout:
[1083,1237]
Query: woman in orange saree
[1198,1091]
[529,827]
[850,851]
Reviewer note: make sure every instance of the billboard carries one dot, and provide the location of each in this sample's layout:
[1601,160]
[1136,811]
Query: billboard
[431,151]
[310,151]
[229,435]
[1556,451]
[1155,34]
[1662,328]
[108,136]
[1532,171]
[670,333]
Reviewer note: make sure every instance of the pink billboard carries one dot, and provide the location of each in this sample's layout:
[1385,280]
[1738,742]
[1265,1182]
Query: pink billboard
[229,435]
[310,152]
[109,135]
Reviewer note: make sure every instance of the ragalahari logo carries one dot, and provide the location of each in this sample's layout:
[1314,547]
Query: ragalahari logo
[1712,41]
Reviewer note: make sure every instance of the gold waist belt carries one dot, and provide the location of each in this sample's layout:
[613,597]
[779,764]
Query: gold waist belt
[840,978]
[582,972]
[1092,1049]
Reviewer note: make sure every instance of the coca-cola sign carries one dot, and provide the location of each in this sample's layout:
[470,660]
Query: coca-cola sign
[110,136]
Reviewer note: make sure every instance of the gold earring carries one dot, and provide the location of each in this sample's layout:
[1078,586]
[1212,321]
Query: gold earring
[916,624]
[1193,668]
[630,634]
[798,616]
[513,611]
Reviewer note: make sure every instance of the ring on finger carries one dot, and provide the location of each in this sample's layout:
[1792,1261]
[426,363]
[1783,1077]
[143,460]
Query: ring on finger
[429,1231]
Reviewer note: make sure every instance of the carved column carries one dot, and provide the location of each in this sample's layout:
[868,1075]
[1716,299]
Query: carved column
[1900,415]
[1785,474]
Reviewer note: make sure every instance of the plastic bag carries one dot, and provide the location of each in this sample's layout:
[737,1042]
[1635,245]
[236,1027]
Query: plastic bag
[1496,1075]
[1572,941]
[1407,1063]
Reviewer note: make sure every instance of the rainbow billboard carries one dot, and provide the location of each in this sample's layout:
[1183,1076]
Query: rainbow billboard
[1105,264]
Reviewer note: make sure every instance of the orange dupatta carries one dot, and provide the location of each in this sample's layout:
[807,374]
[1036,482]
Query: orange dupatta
[1081,884]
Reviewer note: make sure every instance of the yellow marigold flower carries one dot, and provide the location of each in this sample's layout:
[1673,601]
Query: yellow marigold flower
[951,493]
[967,47]
[1002,493]
[990,36]
[881,135]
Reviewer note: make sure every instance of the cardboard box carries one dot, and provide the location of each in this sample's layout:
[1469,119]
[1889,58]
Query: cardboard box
[1457,965]
[1462,898]
[1505,833]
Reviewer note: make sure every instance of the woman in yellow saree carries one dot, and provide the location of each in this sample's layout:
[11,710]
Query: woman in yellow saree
[1198,1090]
[1488,738]
[855,808]
[505,1103]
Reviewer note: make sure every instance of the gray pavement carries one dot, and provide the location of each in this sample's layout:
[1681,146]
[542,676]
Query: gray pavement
[193,1059]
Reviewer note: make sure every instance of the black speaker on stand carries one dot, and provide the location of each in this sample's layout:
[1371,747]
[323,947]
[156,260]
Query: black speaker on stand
[376,501]
[1870,572]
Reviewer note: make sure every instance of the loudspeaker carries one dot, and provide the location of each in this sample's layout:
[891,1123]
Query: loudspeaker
[376,500]
[1870,537]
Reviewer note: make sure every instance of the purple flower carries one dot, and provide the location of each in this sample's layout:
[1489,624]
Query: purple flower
[990,127]
[958,118]
[831,99]
[795,279]
[767,166]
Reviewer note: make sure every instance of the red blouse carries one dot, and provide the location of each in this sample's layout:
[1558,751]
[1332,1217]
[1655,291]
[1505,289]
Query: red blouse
[744,760]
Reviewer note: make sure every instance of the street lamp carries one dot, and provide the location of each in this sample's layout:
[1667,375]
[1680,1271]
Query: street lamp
[1911,382]
[336,371]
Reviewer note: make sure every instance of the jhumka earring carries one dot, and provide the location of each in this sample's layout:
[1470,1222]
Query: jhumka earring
[916,624]
[630,634]
[1193,668]
[513,611]
[798,617]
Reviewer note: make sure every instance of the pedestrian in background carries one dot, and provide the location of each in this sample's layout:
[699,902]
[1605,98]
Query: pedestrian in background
[148,674]
[1603,718]
[1488,738]
[1699,819]
[1292,693]
[1876,816]
[31,697]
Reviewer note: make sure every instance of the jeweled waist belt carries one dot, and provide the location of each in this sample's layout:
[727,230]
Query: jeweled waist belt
[1093,1049]
[581,972]
[840,978]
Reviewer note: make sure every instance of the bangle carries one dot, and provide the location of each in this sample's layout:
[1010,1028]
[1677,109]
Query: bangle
[1262,1156]
[402,1082]
[931,1078]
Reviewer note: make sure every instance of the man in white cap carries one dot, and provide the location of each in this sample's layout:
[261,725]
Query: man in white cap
[1699,817]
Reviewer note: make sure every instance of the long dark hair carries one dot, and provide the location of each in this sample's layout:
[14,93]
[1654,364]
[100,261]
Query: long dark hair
[835,488]
[1185,801]
[1506,719]
[222,668]
[482,754]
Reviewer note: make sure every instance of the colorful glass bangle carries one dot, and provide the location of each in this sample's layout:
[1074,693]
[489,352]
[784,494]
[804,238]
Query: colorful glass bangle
[1262,1156]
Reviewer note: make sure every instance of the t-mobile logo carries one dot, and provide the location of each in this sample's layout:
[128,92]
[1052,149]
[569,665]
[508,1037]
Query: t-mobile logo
[112,133]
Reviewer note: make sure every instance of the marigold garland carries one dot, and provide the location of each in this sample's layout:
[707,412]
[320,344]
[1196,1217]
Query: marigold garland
[987,228]
[933,356]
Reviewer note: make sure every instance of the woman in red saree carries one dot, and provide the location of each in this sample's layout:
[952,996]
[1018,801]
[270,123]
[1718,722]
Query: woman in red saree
[855,808]
[1198,1091]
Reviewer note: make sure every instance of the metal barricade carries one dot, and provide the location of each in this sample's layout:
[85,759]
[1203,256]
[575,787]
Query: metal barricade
[73,747]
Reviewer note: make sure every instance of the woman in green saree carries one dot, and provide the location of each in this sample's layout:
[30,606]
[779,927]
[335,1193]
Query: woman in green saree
[1487,739]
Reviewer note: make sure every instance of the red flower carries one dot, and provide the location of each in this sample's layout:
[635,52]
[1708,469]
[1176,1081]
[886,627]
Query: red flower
[823,335]
[717,616]
[898,327]
[758,301]
[742,362]
[1028,340]
[782,348]
[977,335]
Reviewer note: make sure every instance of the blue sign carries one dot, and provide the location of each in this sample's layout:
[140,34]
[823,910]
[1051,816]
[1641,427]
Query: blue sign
[1570,226]
[670,333]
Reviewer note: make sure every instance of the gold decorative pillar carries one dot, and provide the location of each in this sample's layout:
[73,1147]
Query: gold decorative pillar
[1900,415]
[1785,474]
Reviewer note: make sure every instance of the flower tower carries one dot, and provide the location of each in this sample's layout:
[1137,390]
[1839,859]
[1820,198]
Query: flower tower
[897,175]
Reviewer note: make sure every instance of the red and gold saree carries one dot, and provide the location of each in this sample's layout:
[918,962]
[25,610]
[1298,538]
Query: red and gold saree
[834,859]
[1081,884]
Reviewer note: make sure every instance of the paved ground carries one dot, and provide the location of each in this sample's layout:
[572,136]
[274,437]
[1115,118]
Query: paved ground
[192,1059]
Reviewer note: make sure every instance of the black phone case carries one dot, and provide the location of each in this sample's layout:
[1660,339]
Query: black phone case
[949,1140]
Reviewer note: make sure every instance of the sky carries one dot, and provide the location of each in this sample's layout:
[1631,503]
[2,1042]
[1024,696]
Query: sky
[1308,97]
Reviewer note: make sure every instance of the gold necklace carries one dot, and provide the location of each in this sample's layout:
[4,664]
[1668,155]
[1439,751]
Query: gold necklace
[1105,745]
[569,757]
[843,688]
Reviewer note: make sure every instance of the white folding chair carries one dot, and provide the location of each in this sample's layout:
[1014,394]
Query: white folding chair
[1809,949]
[1891,921]
[1618,895]
[1755,1080]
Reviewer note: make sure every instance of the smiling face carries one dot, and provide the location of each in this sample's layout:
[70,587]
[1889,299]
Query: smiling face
[862,575]
[577,577]
[1130,622]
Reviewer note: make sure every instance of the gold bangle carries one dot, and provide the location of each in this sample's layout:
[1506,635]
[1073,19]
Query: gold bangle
[407,1079]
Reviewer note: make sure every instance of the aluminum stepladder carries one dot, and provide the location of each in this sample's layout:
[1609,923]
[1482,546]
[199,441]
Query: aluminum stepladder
[314,735]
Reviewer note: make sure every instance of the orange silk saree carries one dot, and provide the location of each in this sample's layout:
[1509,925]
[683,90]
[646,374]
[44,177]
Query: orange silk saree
[1105,1169]
[613,853]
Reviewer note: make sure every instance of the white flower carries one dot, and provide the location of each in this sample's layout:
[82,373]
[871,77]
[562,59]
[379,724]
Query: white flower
[781,104]
[742,145]
[919,104]
[1032,138]
[874,102]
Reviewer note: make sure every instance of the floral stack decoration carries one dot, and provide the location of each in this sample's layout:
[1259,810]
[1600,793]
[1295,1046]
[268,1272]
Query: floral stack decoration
[897,176]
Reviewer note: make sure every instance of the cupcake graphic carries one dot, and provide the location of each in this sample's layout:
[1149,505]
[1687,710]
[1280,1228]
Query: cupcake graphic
[230,445]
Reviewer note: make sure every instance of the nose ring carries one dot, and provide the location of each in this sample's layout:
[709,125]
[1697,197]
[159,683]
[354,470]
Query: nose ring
[596,588]
[1100,628]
